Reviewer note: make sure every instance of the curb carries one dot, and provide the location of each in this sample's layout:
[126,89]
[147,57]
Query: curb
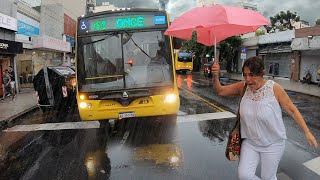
[13,120]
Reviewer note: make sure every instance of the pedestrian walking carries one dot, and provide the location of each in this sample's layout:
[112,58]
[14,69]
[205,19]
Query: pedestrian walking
[12,82]
[6,82]
[262,129]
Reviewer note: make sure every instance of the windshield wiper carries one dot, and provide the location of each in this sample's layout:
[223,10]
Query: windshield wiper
[138,45]
[105,38]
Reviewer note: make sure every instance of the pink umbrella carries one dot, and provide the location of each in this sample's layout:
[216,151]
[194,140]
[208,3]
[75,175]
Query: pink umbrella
[215,23]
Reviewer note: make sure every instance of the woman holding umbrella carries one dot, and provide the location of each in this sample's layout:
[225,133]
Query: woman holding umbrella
[262,129]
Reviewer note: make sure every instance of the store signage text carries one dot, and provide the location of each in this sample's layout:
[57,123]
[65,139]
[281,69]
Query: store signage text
[50,43]
[8,22]
[4,46]
[27,29]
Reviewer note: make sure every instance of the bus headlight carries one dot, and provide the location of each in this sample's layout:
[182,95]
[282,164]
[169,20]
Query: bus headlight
[82,97]
[84,105]
[170,98]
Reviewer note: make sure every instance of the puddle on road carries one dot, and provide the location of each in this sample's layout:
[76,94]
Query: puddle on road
[195,106]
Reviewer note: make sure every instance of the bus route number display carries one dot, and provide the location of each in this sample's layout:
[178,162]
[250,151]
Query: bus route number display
[120,22]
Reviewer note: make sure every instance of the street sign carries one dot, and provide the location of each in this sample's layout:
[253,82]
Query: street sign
[243,56]
[243,50]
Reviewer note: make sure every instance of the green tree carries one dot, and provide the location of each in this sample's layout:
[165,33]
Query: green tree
[260,32]
[317,22]
[227,49]
[283,21]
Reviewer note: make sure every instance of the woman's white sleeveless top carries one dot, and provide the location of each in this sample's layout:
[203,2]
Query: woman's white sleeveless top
[261,116]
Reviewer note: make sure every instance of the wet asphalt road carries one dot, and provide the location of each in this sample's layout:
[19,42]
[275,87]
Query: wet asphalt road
[150,148]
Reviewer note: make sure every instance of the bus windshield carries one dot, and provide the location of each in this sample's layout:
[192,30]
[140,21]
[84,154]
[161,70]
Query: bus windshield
[184,57]
[124,60]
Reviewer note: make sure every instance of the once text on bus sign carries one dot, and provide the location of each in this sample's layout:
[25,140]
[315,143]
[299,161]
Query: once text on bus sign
[108,23]
[130,22]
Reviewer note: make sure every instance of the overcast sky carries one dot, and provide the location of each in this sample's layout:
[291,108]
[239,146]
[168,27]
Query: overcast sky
[307,9]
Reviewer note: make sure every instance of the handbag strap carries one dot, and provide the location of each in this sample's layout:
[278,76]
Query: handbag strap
[238,113]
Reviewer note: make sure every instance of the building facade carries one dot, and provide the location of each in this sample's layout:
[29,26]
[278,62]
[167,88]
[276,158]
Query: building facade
[246,5]
[306,46]
[201,3]
[9,48]
[46,29]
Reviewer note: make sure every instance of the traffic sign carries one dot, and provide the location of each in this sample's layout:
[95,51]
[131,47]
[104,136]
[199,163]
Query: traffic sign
[243,50]
[243,56]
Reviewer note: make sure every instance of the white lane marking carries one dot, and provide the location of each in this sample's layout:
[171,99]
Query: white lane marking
[313,165]
[96,124]
[283,176]
[124,138]
[194,82]
[181,113]
[204,117]
[55,126]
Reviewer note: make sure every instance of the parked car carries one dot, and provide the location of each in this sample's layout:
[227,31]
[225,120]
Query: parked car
[55,89]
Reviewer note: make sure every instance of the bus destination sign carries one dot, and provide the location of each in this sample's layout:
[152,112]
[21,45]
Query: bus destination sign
[120,22]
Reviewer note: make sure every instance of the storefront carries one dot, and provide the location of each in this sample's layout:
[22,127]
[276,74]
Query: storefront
[48,51]
[308,49]
[27,29]
[8,51]
[277,59]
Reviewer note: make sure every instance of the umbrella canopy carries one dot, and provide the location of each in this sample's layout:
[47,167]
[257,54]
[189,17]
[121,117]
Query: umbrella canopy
[215,23]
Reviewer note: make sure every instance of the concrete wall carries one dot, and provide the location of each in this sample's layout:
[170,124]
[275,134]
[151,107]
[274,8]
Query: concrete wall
[26,9]
[284,36]
[312,43]
[10,8]
[74,8]
[51,19]
[252,41]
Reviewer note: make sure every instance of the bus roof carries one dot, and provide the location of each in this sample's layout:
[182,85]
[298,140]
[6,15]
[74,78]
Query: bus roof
[120,10]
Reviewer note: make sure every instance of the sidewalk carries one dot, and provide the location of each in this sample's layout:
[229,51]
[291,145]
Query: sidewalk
[287,84]
[24,102]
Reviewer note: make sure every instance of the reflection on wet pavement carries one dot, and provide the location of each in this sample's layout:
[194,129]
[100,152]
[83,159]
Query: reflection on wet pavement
[160,154]
[217,130]
[189,146]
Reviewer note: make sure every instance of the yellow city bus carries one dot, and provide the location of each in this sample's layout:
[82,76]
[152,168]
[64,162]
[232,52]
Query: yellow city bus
[124,65]
[183,61]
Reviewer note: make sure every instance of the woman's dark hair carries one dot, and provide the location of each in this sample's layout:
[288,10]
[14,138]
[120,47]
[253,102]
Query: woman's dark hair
[255,64]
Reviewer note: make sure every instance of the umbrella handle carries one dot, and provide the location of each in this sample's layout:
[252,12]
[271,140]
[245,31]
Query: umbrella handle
[215,49]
